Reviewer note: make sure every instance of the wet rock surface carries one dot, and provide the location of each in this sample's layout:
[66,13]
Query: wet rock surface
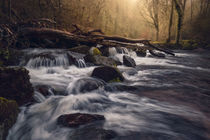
[78,119]
[15,85]
[108,74]
[128,61]
[86,85]
[8,115]
[100,60]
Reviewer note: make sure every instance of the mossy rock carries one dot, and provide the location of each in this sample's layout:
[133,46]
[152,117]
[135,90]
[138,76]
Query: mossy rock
[95,51]
[8,115]
[101,60]
[15,85]
[108,74]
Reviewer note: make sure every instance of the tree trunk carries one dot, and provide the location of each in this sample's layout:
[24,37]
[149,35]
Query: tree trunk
[170,22]
[157,34]
[180,13]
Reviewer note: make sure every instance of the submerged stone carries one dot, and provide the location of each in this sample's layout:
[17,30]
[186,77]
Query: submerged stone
[93,133]
[78,119]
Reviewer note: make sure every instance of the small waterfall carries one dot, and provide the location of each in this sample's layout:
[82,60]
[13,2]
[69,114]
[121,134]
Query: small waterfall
[81,63]
[120,52]
[40,61]
[112,51]
[39,97]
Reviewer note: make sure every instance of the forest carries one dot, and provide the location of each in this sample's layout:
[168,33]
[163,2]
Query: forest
[157,20]
[104,69]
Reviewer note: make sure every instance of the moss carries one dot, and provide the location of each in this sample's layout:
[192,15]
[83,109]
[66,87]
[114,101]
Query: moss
[8,115]
[96,51]
[116,80]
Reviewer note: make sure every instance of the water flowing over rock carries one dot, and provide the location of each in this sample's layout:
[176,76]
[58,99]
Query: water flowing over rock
[108,74]
[15,85]
[78,119]
[84,85]
[100,60]
[128,61]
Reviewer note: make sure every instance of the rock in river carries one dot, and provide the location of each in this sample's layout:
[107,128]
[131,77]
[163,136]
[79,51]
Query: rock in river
[8,115]
[15,85]
[77,119]
[108,74]
[128,61]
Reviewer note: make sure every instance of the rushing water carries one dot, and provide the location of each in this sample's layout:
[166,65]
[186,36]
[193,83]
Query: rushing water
[161,99]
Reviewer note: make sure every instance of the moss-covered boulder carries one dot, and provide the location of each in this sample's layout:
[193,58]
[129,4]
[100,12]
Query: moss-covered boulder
[108,74]
[15,85]
[8,115]
[95,51]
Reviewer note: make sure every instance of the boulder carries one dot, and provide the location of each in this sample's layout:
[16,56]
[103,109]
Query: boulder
[141,52]
[15,85]
[105,51]
[100,60]
[108,74]
[128,61]
[78,119]
[8,115]
[85,85]
[95,51]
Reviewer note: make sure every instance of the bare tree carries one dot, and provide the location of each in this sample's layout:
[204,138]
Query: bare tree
[170,22]
[153,17]
[180,7]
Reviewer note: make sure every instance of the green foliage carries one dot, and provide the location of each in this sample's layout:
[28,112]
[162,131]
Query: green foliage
[189,44]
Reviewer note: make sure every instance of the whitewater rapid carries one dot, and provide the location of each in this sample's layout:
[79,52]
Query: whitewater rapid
[129,115]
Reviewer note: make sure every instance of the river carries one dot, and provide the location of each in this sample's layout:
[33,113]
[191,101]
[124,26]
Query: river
[161,99]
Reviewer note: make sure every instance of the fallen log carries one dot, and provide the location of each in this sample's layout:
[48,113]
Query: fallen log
[121,39]
[159,49]
[157,54]
[70,39]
